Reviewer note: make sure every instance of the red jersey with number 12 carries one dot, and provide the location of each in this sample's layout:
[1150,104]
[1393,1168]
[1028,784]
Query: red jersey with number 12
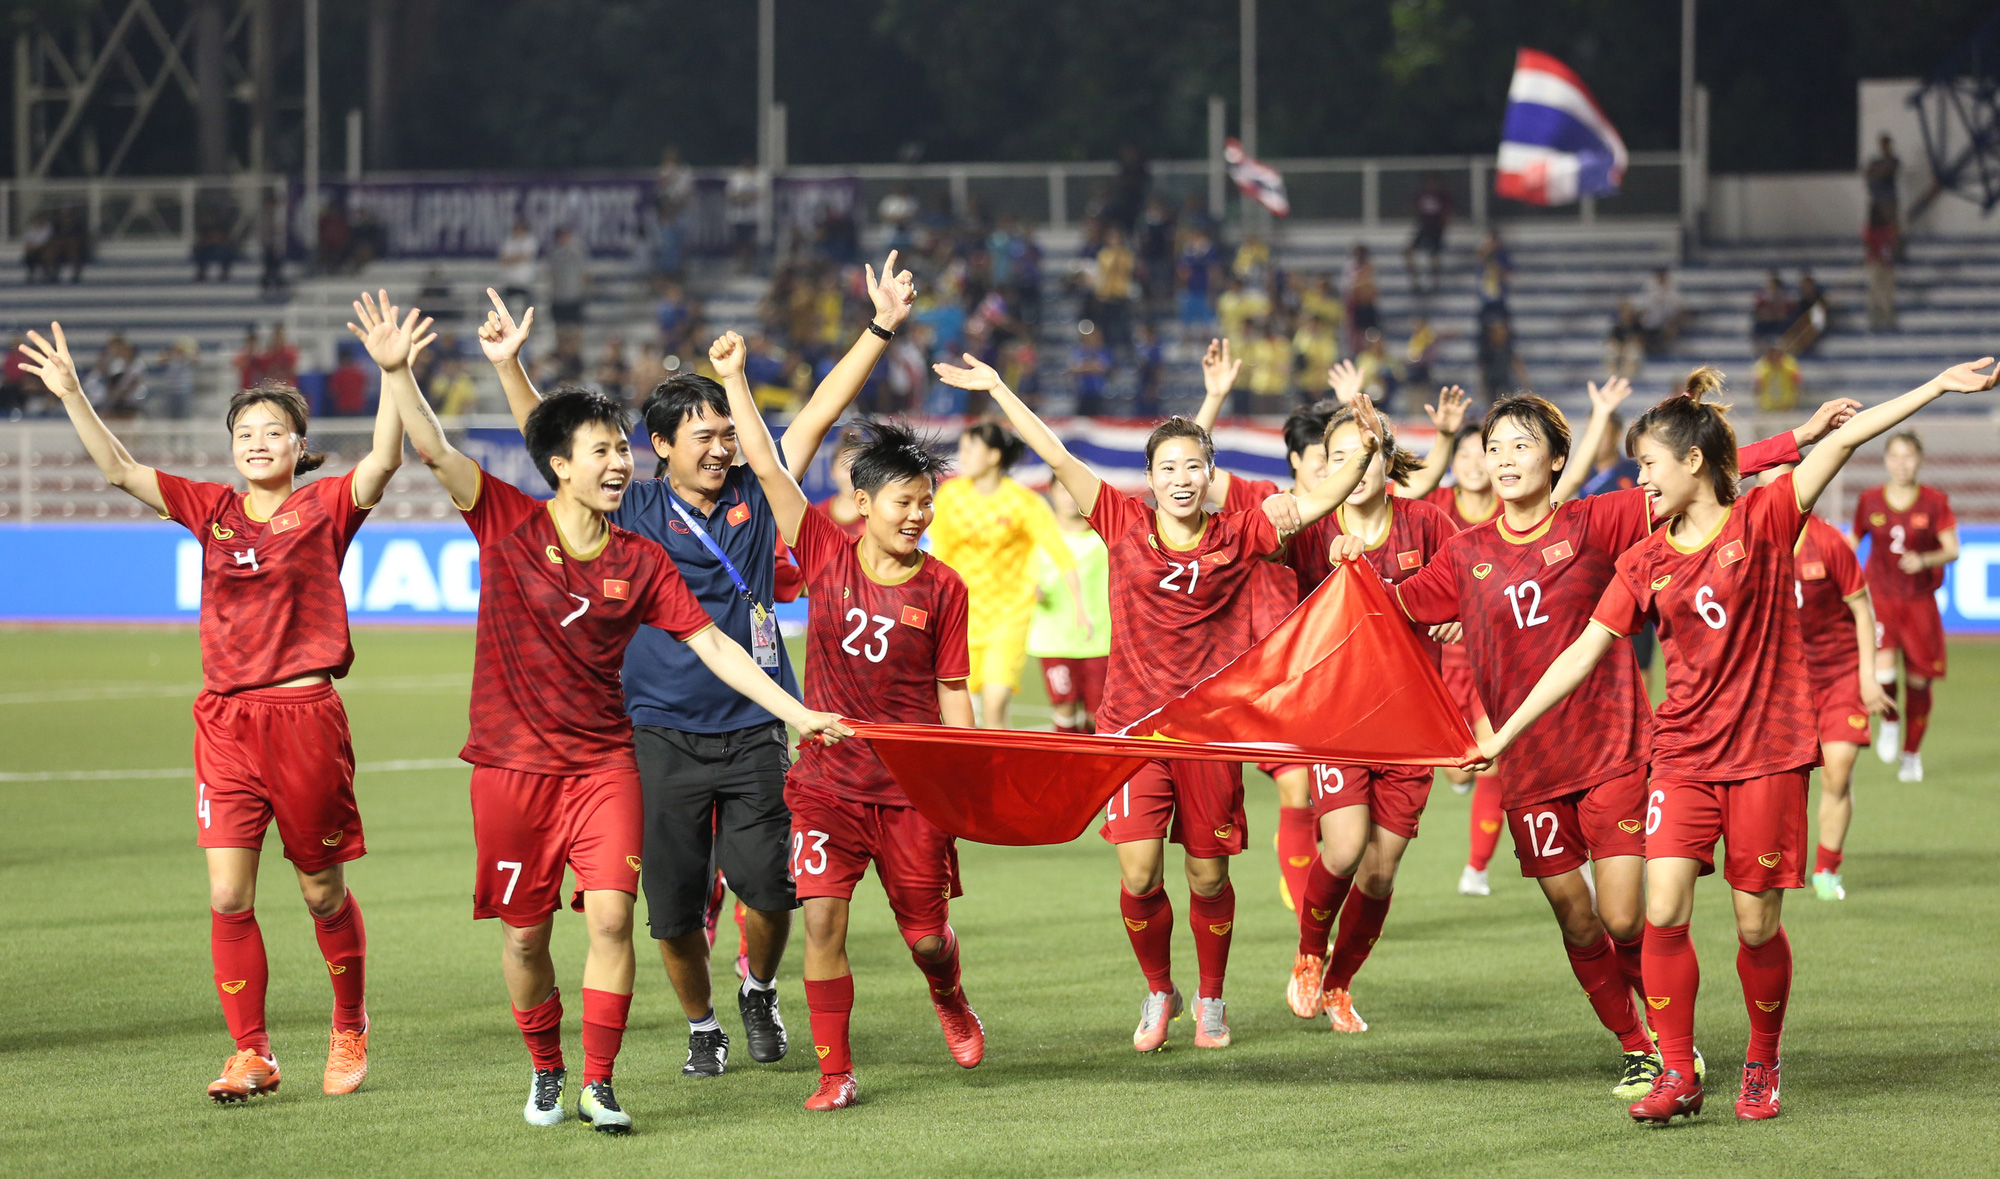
[874,652]
[546,693]
[1892,533]
[1739,704]
[1828,578]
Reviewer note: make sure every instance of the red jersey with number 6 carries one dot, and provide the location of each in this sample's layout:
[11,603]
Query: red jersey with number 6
[272,607]
[1176,614]
[1524,597]
[1739,704]
[1892,533]
[1827,579]
[553,625]
[1417,531]
[874,652]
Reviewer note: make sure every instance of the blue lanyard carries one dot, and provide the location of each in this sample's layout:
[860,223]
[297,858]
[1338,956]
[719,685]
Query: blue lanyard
[700,531]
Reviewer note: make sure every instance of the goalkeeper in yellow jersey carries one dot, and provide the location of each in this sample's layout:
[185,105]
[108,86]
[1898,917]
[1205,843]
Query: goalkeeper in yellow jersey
[987,529]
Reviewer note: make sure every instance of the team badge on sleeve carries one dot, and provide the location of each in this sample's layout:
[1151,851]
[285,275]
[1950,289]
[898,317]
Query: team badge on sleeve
[1729,554]
[911,616]
[616,590]
[1559,551]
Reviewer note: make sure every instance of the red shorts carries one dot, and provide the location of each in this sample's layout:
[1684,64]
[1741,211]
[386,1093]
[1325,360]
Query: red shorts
[527,826]
[834,839]
[1842,718]
[277,753]
[1071,681]
[1394,795]
[1277,768]
[1559,834]
[1457,671]
[1197,804]
[1762,822]
[1912,626]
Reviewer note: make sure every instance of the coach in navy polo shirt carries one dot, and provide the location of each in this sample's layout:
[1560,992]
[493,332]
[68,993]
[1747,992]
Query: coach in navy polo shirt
[712,765]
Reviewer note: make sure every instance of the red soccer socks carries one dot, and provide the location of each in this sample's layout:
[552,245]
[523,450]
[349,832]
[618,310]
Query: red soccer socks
[1361,920]
[1212,919]
[1487,821]
[343,942]
[1597,968]
[1298,847]
[1766,972]
[1319,903]
[242,975]
[1825,859]
[1631,965]
[541,1027]
[1673,975]
[1916,716]
[830,1003]
[1149,922]
[604,1016]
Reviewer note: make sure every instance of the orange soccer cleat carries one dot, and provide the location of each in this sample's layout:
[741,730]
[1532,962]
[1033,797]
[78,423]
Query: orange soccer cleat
[1340,1012]
[963,1033]
[244,1075]
[836,1091]
[346,1061]
[1303,992]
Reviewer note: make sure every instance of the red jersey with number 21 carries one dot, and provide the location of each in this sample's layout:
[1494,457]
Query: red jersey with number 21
[1176,614]
[874,652]
[1739,704]
[553,625]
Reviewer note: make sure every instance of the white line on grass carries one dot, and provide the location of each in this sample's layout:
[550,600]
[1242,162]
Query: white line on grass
[366,767]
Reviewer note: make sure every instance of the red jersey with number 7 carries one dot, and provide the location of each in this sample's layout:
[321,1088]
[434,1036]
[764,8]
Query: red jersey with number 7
[1177,615]
[1892,533]
[553,625]
[1739,704]
[1828,578]
[874,652]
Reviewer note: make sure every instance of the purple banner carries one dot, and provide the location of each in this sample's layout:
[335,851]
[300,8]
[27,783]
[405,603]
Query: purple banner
[470,218]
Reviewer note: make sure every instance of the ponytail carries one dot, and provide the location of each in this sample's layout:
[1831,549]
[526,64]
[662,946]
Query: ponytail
[1398,464]
[1689,421]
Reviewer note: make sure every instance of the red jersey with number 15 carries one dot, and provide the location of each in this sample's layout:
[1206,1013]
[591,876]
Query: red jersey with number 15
[1739,704]
[1176,614]
[874,652]
[553,624]
[1892,533]
[272,607]
[1828,578]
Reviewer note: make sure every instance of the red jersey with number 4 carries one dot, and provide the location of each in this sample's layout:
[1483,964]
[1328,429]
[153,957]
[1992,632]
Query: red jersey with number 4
[553,624]
[1739,703]
[1418,530]
[1524,597]
[1892,533]
[1276,589]
[272,607]
[1446,499]
[1176,614]
[874,652]
[1827,579]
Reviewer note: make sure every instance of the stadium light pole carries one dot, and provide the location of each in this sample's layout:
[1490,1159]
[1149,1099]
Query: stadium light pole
[310,206]
[767,93]
[1246,117]
[1689,197]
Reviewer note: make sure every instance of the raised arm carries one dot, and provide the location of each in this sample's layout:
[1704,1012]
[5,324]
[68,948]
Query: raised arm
[1448,416]
[728,355]
[733,666]
[1218,377]
[893,296]
[1342,480]
[393,346]
[1081,482]
[1604,402]
[1817,469]
[1564,676]
[458,474]
[52,363]
[501,339]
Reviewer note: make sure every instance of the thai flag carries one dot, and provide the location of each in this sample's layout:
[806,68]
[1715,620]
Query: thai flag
[1256,179]
[1557,144]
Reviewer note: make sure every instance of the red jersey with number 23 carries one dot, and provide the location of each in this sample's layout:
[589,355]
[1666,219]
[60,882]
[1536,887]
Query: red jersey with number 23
[874,652]
[1739,704]
[553,625]
[1828,578]
[1524,597]
[1177,615]
[272,607]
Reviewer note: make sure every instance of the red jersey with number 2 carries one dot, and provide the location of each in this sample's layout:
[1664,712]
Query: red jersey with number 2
[1739,704]
[1176,614]
[1828,577]
[1892,533]
[1524,597]
[874,652]
[272,607]
[553,625]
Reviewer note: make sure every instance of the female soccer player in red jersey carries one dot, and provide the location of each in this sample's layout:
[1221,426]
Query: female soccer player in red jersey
[1734,739]
[1836,623]
[887,641]
[1181,607]
[555,783]
[1912,537]
[271,740]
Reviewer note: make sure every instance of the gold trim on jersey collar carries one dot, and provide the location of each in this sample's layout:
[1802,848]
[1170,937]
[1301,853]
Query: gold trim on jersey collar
[1533,534]
[549,506]
[1690,550]
[1457,498]
[923,559]
[1340,514]
[1207,518]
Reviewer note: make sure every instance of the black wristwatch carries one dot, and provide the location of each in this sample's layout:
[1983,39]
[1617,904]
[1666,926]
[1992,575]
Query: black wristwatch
[881,331]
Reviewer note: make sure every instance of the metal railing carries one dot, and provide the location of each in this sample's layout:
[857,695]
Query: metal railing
[163,210]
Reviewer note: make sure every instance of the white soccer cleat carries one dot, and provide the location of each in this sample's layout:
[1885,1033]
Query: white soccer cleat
[1159,1009]
[1472,883]
[1910,768]
[1888,739]
[545,1092]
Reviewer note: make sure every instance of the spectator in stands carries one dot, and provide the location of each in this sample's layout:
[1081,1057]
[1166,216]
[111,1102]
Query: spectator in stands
[1363,316]
[1432,207]
[1419,356]
[1378,376]
[569,281]
[1878,251]
[1252,263]
[1625,345]
[173,378]
[1114,288]
[368,240]
[1778,379]
[1195,272]
[271,248]
[347,384]
[1129,191]
[70,246]
[1662,314]
[674,318]
[673,186]
[1315,347]
[1090,364]
[334,233]
[517,264]
[1813,314]
[1269,361]
[741,198]
[1496,279]
[1322,301]
[898,211]
[280,361]
[14,381]
[1157,256]
[1027,273]
[613,375]
[249,360]
[1772,311]
[35,244]
[1501,370]
[1881,176]
[452,391]
[1238,306]
[213,243]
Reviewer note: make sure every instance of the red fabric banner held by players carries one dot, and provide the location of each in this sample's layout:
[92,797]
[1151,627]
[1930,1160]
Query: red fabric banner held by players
[1341,679]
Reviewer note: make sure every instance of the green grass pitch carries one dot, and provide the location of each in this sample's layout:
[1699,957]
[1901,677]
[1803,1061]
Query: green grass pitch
[1483,1056]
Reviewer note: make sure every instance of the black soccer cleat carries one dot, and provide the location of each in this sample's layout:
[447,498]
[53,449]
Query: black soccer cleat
[763,1027]
[708,1054]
